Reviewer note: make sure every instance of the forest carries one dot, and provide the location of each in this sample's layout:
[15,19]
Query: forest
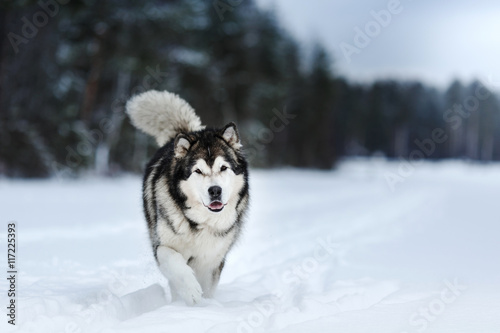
[67,69]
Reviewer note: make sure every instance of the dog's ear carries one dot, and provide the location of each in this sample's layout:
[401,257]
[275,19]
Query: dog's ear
[181,145]
[231,136]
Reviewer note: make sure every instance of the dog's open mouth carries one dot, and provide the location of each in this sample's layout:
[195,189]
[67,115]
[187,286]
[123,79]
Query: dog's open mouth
[216,206]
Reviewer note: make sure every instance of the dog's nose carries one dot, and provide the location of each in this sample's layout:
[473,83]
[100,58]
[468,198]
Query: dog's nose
[214,191]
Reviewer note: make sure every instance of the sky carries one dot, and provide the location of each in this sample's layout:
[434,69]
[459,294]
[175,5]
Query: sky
[432,41]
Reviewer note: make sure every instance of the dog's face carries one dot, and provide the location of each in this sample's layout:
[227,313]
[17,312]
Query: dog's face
[213,172]
[213,185]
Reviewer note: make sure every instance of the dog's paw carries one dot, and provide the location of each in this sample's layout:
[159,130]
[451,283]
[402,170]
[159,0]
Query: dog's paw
[189,290]
[186,286]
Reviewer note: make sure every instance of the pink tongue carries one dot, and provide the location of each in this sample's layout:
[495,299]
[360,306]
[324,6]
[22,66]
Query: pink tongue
[216,205]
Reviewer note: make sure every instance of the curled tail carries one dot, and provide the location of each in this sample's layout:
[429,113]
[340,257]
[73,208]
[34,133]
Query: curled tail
[162,115]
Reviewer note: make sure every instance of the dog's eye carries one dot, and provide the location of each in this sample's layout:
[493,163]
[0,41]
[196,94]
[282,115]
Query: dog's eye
[198,171]
[223,168]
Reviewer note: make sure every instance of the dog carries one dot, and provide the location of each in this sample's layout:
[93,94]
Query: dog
[195,192]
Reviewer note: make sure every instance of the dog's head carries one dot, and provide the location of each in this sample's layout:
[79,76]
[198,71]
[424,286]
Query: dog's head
[211,170]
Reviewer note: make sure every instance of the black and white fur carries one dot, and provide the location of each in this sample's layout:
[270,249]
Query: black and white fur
[195,192]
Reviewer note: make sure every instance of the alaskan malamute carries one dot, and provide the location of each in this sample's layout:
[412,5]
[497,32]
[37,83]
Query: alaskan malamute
[195,192]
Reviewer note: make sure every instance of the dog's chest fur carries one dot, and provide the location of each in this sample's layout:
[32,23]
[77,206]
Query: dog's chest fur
[203,249]
[203,245]
[197,247]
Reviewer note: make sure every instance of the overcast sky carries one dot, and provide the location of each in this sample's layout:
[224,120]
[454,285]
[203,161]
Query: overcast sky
[433,41]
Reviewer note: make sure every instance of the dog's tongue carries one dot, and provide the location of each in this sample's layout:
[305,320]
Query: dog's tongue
[216,205]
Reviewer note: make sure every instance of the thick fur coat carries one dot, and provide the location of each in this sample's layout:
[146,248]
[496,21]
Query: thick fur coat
[195,192]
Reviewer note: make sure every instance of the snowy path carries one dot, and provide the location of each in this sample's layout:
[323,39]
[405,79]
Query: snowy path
[323,251]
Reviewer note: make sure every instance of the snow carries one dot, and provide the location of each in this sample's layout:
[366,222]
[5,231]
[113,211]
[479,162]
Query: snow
[337,251]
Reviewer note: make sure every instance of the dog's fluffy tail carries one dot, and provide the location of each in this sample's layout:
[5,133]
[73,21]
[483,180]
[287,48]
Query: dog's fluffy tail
[162,114]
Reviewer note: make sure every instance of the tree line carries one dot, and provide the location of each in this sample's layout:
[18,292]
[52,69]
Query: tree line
[68,67]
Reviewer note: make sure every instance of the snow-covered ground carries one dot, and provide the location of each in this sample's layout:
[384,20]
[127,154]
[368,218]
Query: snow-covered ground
[339,251]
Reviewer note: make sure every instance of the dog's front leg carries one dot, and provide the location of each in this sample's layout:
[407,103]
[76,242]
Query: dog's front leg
[210,284]
[180,276]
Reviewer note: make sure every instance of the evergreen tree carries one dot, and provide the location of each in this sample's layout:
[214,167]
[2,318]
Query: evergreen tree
[64,84]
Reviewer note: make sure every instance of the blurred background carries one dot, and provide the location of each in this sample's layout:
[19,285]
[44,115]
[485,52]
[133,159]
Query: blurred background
[307,83]
[365,88]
